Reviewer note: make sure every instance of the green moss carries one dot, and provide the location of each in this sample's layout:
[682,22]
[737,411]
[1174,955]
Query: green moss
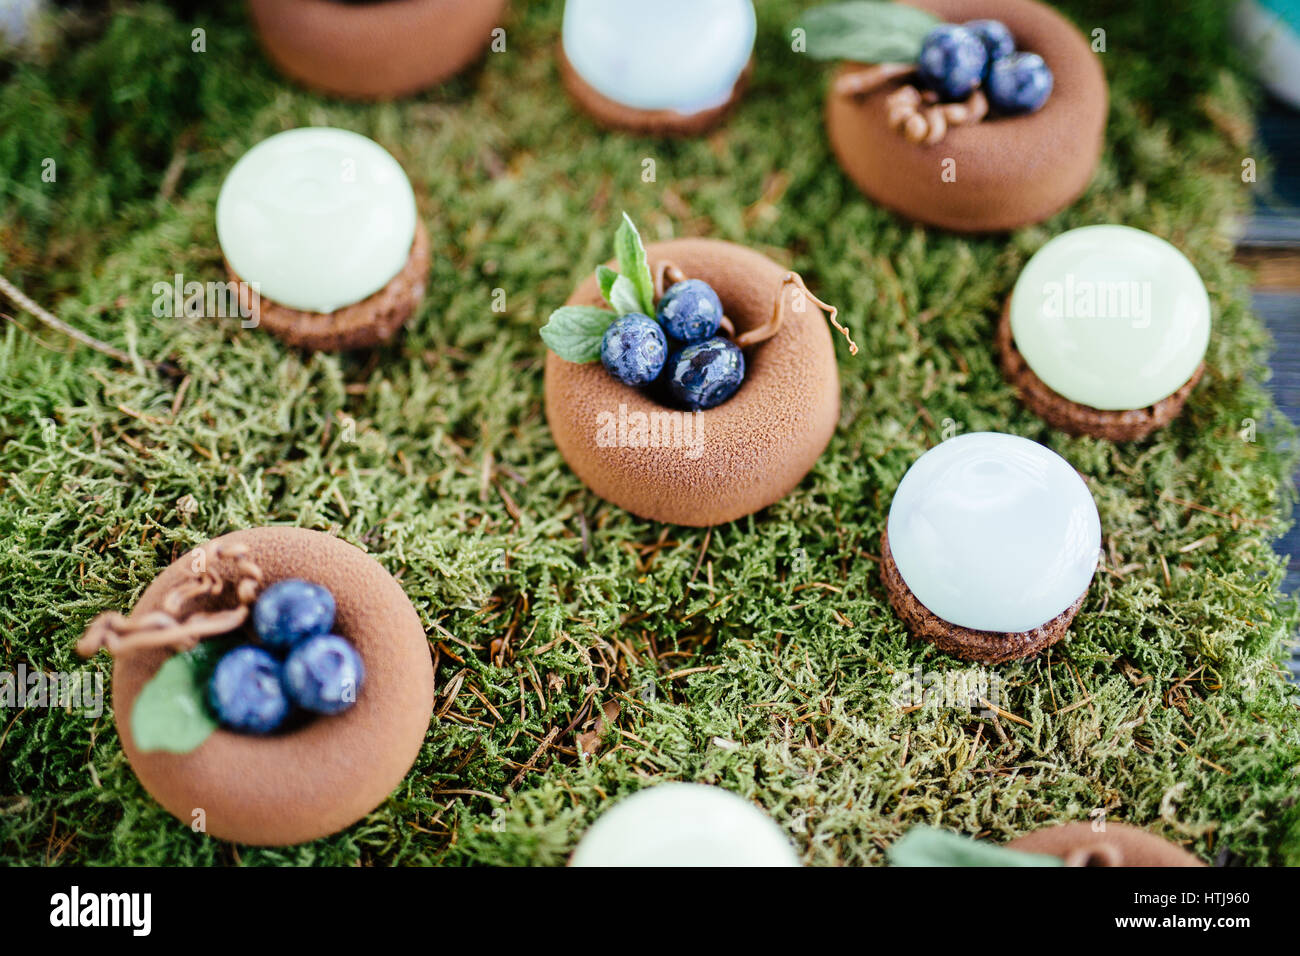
[761,655]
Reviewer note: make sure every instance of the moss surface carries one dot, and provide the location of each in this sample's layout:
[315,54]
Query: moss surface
[762,655]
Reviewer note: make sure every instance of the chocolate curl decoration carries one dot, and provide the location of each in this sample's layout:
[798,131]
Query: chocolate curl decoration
[923,119]
[867,78]
[175,626]
[765,332]
[668,273]
[917,115]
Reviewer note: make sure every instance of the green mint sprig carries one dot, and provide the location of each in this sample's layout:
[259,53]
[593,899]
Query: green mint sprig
[634,267]
[171,712]
[927,846]
[865,31]
[574,332]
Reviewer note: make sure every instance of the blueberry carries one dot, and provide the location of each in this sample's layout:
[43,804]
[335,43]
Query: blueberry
[997,39]
[290,611]
[690,311]
[952,61]
[634,349]
[706,373]
[245,691]
[323,674]
[1019,83]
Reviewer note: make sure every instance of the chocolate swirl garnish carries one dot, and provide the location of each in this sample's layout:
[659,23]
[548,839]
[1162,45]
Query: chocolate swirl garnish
[915,113]
[667,274]
[177,625]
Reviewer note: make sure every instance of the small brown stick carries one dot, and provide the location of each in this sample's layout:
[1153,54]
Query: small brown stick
[531,763]
[175,626]
[30,307]
[867,78]
[765,332]
[120,635]
[670,272]
[666,274]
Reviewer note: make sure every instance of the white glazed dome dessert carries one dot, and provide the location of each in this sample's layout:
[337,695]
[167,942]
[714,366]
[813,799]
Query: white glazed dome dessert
[684,824]
[994,532]
[679,55]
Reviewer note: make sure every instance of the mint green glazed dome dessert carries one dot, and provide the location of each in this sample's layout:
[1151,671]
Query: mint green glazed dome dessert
[1105,332]
[319,229]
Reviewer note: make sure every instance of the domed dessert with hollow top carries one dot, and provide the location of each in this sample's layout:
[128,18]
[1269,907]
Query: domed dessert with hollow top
[252,781]
[1115,844]
[376,50]
[657,66]
[1068,844]
[938,120]
[990,546]
[730,424]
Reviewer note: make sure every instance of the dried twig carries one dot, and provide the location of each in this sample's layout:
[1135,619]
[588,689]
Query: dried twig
[44,316]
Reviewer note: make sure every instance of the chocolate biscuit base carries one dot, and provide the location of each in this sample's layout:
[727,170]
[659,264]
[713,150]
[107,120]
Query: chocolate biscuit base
[987,647]
[372,321]
[655,122]
[1074,418]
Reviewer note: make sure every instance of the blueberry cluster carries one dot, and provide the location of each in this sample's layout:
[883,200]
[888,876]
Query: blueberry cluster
[255,687]
[679,346]
[955,60]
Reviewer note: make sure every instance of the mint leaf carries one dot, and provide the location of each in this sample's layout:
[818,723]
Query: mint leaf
[926,846]
[171,712]
[632,263]
[866,31]
[606,276]
[574,332]
[623,296]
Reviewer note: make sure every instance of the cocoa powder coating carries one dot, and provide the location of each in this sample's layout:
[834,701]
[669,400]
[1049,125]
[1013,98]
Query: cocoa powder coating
[997,174]
[324,776]
[752,449]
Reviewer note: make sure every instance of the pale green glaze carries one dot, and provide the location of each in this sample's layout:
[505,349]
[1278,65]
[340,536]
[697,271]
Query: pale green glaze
[1111,317]
[320,218]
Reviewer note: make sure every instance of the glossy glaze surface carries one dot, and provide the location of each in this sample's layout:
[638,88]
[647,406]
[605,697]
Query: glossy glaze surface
[994,532]
[1111,317]
[319,217]
[682,55]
